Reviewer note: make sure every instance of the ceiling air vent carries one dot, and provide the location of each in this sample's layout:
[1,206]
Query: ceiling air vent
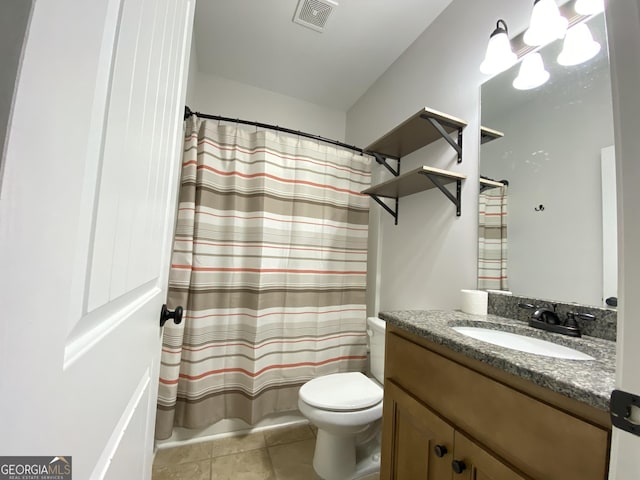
[313,14]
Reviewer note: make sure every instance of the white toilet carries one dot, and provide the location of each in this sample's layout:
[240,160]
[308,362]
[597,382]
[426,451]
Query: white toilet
[347,409]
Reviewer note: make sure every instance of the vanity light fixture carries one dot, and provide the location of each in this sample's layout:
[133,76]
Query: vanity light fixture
[579,46]
[589,7]
[546,24]
[499,56]
[532,73]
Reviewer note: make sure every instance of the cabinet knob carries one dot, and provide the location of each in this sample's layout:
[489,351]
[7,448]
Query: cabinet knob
[440,450]
[458,466]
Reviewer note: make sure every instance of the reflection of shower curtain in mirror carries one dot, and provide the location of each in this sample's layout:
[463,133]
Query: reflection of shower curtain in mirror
[269,262]
[492,239]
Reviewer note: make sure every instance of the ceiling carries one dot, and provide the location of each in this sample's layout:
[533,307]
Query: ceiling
[255,42]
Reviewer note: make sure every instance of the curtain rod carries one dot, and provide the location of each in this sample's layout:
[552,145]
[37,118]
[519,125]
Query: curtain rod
[188,112]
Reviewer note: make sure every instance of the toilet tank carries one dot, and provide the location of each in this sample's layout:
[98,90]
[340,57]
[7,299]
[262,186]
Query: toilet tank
[376,329]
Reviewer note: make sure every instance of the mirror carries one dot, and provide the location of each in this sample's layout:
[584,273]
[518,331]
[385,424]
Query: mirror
[557,155]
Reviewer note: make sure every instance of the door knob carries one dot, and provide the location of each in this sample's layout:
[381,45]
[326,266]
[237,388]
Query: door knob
[166,314]
[458,466]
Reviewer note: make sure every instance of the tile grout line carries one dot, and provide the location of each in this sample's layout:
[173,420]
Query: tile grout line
[274,476]
[264,446]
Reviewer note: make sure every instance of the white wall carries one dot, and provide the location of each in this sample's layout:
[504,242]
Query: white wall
[216,95]
[431,254]
[551,156]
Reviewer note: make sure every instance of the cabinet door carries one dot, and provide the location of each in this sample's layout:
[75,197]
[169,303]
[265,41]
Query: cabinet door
[416,443]
[475,463]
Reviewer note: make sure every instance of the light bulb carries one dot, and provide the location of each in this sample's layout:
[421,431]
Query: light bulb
[499,56]
[589,7]
[579,46]
[546,24]
[532,73]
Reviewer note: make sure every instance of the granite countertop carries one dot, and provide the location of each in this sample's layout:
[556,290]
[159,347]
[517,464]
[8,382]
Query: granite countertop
[589,381]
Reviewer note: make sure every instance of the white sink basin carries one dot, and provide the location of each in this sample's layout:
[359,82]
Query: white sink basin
[522,343]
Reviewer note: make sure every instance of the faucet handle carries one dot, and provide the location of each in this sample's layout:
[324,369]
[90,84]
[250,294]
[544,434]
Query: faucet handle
[528,306]
[531,306]
[571,318]
[581,316]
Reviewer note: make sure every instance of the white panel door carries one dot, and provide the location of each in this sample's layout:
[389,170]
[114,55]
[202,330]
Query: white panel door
[87,211]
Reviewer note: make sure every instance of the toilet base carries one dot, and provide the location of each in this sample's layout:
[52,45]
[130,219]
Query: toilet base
[338,458]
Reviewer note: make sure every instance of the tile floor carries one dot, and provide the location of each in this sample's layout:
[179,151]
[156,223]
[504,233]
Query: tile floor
[279,454]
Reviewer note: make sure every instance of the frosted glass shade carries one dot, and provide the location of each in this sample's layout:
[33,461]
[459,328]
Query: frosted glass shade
[499,55]
[589,7]
[546,24]
[579,46]
[532,73]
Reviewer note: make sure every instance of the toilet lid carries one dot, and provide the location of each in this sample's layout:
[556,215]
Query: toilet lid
[341,391]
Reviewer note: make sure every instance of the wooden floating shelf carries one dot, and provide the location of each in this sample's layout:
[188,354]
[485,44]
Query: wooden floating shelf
[488,134]
[492,183]
[412,182]
[417,180]
[424,127]
[415,133]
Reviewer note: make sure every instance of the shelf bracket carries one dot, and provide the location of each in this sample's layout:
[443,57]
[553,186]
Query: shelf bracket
[382,160]
[454,199]
[394,214]
[457,146]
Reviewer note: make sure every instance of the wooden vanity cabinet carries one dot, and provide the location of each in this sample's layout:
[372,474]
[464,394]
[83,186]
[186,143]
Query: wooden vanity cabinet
[423,446]
[418,443]
[480,464]
[447,416]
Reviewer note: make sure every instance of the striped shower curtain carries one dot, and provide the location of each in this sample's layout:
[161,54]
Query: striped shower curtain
[269,262]
[492,239]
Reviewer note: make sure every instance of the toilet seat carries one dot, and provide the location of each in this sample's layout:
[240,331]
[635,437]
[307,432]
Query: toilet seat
[341,392]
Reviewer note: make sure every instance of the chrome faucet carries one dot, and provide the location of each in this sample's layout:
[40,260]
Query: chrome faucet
[547,319]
